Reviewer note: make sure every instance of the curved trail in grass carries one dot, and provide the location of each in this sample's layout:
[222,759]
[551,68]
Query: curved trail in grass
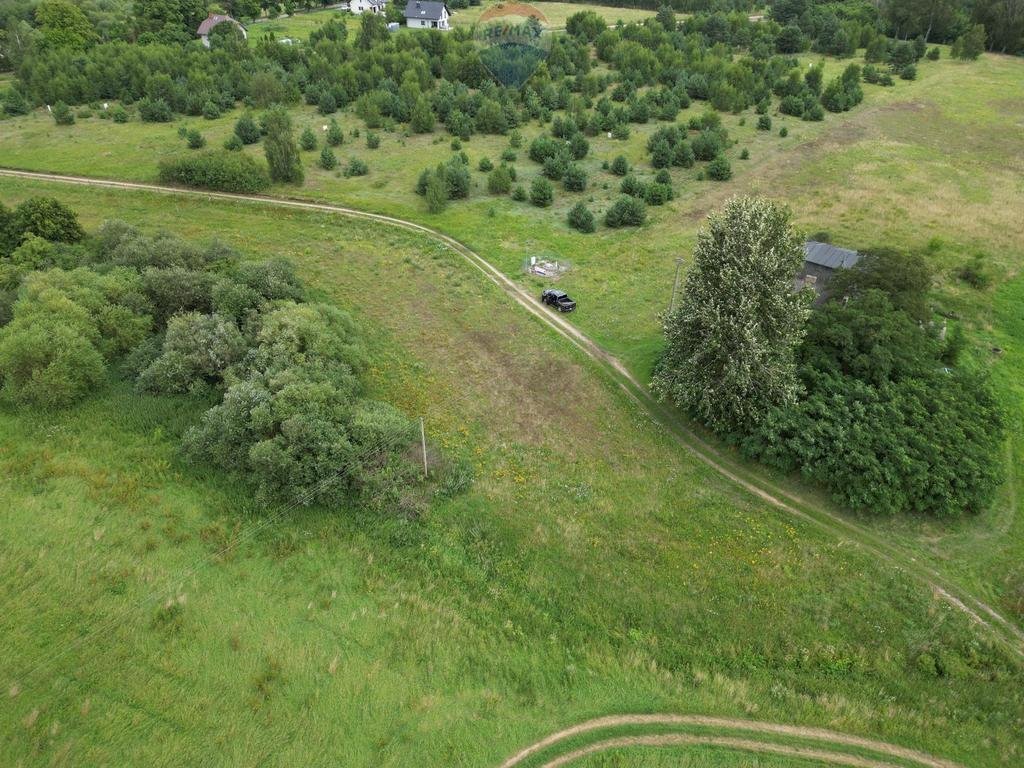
[1006,632]
[700,730]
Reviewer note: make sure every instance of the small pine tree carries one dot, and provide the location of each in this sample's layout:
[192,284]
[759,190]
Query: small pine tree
[436,193]
[195,139]
[719,169]
[327,159]
[335,136]
[580,218]
[575,179]
[308,140]
[422,118]
[541,192]
[499,181]
[619,166]
[62,114]
[247,130]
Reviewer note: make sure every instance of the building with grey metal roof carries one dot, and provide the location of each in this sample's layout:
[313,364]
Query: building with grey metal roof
[821,260]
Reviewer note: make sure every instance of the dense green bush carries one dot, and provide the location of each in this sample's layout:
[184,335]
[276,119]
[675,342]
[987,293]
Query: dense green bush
[574,179]
[307,139]
[499,181]
[542,194]
[580,218]
[45,217]
[882,424]
[356,167]
[485,165]
[220,170]
[719,169]
[619,166]
[197,350]
[764,123]
[62,114]
[195,139]
[232,143]
[155,111]
[247,130]
[626,212]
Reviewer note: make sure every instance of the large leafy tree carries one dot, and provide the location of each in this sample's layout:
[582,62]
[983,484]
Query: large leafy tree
[64,25]
[730,344]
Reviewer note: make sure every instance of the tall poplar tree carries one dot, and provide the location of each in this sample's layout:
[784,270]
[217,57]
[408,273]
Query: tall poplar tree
[282,153]
[731,340]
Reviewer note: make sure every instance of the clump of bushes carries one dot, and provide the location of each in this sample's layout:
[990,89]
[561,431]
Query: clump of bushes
[307,139]
[627,211]
[291,414]
[356,167]
[499,181]
[542,194]
[246,129]
[877,385]
[155,111]
[580,218]
[220,170]
[62,114]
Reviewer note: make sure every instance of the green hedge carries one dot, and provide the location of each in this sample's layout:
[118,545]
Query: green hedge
[220,170]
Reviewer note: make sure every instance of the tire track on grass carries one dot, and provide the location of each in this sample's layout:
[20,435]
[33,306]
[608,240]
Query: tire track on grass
[978,612]
[827,738]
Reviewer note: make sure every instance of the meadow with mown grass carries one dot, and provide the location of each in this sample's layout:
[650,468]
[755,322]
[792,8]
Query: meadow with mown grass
[594,566]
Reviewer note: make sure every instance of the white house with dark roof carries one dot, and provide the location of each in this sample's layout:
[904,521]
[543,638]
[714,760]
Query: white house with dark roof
[426,14]
[367,6]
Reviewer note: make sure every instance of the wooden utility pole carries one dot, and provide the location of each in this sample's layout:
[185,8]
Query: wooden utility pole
[675,285]
[423,442]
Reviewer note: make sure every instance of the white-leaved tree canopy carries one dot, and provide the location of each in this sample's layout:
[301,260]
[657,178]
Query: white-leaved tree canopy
[731,340]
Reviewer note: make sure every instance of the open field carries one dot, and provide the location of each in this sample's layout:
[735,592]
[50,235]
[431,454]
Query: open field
[299,25]
[932,165]
[558,13]
[592,568]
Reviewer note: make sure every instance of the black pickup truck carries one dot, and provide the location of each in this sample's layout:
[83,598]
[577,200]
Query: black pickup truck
[558,299]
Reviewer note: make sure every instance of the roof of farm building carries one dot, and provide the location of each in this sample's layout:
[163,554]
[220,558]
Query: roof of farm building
[831,256]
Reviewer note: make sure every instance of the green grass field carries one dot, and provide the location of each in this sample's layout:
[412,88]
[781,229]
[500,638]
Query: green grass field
[594,567]
[299,25]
